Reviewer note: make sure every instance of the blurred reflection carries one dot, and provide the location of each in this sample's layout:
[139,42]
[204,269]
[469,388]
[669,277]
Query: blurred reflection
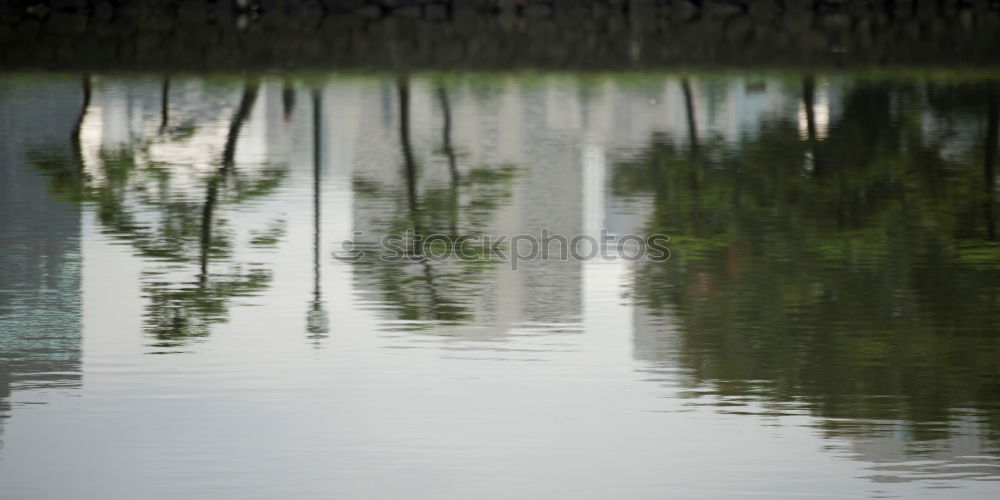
[162,193]
[317,319]
[40,300]
[475,156]
[833,239]
[865,291]
[424,204]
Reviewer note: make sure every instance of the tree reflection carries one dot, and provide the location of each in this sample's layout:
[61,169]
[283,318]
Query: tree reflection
[867,290]
[424,288]
[153,207]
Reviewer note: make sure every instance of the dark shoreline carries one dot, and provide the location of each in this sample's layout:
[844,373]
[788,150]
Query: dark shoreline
[200,35]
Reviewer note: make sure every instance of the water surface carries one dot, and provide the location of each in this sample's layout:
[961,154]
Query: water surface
[173,320]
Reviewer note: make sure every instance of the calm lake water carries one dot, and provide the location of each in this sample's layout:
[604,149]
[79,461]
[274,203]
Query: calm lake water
[174,322]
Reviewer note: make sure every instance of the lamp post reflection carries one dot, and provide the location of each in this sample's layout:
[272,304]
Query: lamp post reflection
[317,319]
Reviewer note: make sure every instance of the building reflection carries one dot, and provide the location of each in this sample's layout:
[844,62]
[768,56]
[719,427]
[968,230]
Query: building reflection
[464,165]
[502,156]
[40,301]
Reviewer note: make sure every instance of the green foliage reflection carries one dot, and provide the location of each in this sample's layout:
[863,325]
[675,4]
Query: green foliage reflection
[856,273]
